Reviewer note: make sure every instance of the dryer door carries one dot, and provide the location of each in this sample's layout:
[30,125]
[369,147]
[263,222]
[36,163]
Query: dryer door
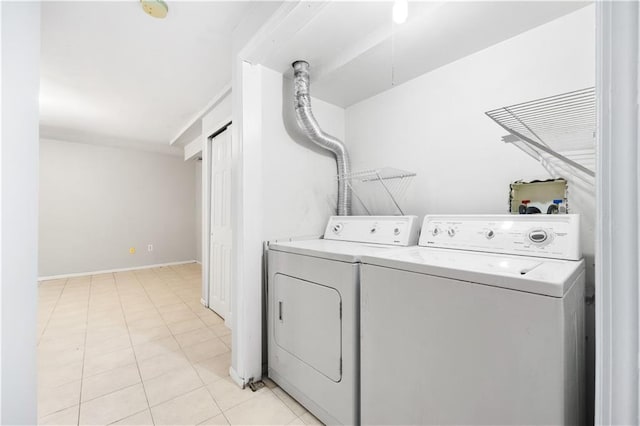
[308,323]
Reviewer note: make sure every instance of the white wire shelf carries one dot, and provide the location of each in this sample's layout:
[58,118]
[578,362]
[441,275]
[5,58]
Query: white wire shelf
[559,131]
[379,191]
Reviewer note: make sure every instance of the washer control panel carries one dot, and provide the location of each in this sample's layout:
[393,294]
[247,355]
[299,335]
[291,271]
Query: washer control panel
[551,236]
[391,230]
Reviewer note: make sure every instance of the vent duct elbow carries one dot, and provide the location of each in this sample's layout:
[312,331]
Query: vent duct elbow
[310,127]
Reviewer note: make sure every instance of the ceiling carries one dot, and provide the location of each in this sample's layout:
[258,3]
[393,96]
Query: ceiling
[356,51]
[112,74]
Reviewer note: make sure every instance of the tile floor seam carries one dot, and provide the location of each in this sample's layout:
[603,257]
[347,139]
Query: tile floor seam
[52,310]
[225,417]
[178,396]
[234,405]
[84,351]
[111,393]
[217,415]
[198,316]
[171,331]
[256,396]
[284,402]
[67,365]
[168,286]
[201,299]
[172,335]
[197,343]
[135,357]
[131,415]
[109,370]
[206,387]
[56,412]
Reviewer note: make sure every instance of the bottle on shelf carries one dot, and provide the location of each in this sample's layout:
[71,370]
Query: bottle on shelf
[524,208]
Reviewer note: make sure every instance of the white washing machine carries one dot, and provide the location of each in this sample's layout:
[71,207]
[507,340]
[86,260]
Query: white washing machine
[483,323]
[313,311]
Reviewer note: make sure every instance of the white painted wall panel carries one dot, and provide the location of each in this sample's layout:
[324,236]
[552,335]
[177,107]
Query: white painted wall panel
[435,124]
[96,202]
[20,52]
[299,178]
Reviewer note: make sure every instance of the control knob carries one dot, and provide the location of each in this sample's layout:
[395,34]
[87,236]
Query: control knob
[436,231]
[490,234]
[337,228]
[538,236]
[451,232]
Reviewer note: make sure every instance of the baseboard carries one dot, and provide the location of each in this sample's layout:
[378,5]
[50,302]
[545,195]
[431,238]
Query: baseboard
[108,271]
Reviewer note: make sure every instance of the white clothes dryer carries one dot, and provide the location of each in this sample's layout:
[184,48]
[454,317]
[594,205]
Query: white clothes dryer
[313,311]
[482,324]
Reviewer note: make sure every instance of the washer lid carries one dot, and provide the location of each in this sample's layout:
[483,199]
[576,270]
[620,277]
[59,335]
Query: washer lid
[343,251]
[548,277]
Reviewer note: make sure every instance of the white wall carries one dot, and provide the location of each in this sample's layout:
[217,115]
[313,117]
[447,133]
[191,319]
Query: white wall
[618,390]
[96,202]
[20,77]
[298,177]
[435,125]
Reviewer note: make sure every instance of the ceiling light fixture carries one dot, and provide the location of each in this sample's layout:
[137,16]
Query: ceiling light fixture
[400,11]
[155,8]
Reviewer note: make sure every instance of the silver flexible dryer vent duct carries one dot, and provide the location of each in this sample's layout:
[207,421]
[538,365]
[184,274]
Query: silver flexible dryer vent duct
[307,122]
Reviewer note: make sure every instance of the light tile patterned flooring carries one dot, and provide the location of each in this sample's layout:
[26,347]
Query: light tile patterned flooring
[138,348]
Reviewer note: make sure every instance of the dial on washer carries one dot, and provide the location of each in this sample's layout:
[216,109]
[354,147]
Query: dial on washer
[538,236]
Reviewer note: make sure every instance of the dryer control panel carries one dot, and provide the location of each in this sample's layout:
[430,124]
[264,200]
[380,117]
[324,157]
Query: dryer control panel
[550,236]
[390,230]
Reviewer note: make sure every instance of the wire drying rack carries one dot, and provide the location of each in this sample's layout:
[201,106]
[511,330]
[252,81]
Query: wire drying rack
[368,185]
[559,131]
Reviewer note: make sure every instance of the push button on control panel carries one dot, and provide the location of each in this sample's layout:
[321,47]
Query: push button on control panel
[538,236]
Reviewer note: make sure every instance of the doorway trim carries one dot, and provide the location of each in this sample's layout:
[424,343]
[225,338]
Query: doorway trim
[208,136]
[617,230]
[224,131]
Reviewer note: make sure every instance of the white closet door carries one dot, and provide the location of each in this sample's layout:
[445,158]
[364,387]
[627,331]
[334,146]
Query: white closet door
[221,234]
